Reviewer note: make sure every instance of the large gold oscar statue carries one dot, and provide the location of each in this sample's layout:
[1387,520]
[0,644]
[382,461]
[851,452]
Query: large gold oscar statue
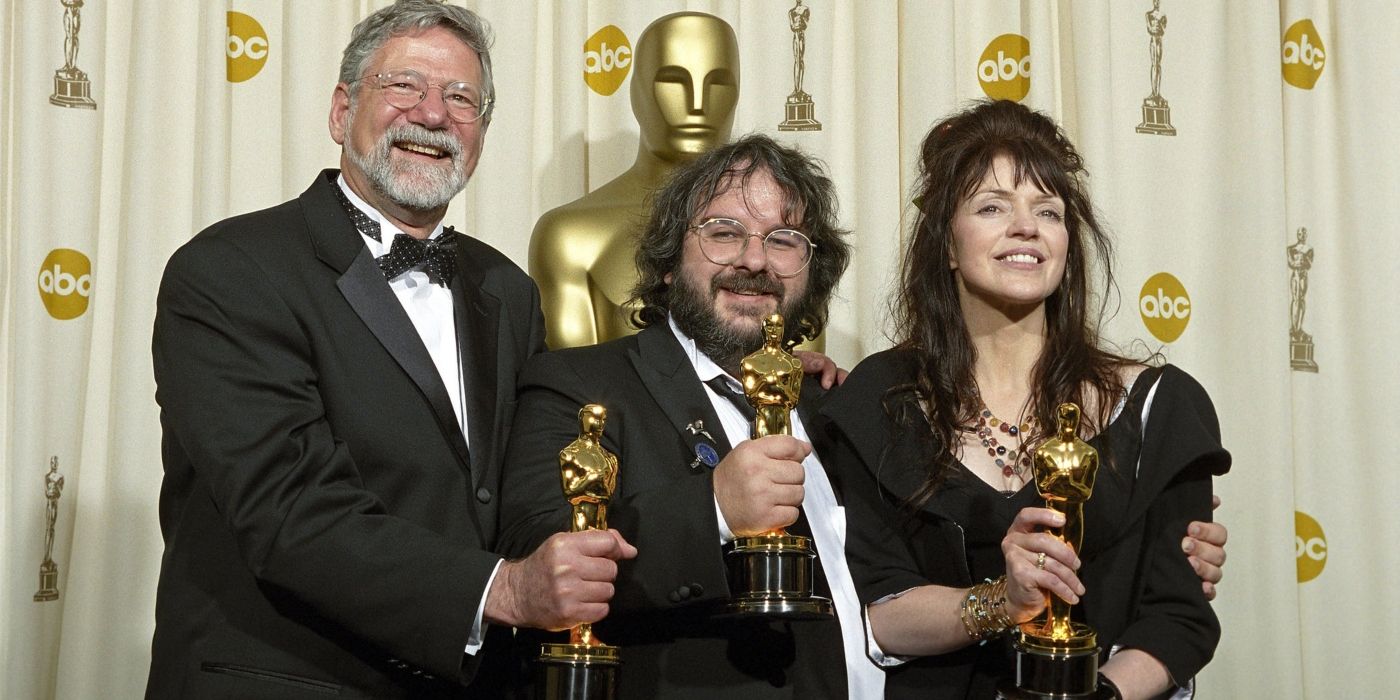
[1057,657]
[584,668]
[771,575]
[685,84]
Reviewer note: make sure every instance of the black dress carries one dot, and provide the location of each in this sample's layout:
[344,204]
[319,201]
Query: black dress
[1153,480]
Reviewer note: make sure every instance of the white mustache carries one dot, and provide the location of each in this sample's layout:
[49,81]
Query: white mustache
[414,133]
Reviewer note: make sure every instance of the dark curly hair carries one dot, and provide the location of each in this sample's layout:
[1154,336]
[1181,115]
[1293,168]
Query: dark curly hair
[956,155]
[810,199]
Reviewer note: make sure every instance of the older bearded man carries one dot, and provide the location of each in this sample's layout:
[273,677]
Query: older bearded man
[335,377]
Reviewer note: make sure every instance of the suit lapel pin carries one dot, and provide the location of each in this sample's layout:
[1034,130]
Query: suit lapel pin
[704,454]
[697,427]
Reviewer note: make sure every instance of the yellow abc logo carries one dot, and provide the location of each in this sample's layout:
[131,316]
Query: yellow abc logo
[1005,67]
[246,46]
[1303,55]
[1310,545]
[607,59]
[65,283]
[1165,306]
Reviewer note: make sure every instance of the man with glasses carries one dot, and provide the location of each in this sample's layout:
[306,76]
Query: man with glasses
[335,378]
[743,231]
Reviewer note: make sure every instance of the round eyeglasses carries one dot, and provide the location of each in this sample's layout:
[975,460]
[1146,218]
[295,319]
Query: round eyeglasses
[405,89]
[722,241]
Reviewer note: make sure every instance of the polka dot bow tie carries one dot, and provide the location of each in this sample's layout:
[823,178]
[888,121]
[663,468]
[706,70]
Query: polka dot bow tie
[437,257]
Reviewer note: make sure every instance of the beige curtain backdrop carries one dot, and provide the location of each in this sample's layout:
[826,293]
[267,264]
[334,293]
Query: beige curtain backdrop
[177,114]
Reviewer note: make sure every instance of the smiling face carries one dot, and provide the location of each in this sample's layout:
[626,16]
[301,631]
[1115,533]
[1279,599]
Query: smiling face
[417,159]
[722,306]
[1009,242]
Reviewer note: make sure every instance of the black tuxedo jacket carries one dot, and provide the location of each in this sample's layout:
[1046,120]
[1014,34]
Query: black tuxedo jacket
[326,526]
[662,615]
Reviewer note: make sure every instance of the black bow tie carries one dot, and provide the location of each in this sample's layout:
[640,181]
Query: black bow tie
[437,257]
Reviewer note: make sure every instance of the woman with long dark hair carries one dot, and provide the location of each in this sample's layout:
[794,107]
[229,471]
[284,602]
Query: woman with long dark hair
[931,442]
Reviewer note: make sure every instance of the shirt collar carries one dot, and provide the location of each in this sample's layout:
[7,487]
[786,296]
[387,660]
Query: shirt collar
[705,368]
[387,230]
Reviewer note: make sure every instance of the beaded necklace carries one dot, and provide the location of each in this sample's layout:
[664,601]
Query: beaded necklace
[1014,463]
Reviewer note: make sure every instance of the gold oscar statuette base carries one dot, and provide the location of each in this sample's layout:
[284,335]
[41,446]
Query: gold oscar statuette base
[48,582]
[72,89]
[1300,351]
[1054,667]
[577,672]
[771,575]
[801,114]
[1156,118]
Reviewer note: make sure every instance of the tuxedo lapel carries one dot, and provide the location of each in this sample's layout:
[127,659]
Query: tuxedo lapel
[478,322]
[363,286]
[810,400]
[671,380]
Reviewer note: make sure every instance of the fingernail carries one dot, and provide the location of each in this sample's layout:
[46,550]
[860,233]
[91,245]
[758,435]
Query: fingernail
[1187,545]
[1194,530]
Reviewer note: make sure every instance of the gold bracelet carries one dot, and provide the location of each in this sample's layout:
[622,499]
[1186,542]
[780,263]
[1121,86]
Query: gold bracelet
[983,612]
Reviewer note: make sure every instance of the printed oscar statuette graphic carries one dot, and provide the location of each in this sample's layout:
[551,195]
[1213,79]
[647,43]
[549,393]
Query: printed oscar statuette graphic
[801,113]
[771,574]
[71,87]
[1156,113]
[1055,656]
[1300,343]
[584,668]
[48,571]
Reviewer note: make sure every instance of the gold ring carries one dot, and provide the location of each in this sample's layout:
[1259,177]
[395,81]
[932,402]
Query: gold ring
[1040,561]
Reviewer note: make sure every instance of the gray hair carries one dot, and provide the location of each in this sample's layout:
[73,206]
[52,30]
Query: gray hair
[412,16]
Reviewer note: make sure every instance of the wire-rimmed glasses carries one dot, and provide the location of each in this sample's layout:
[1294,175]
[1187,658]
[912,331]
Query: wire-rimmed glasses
[722,241]
[405,89]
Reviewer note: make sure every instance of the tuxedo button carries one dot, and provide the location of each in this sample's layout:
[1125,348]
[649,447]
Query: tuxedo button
[697,590]
[483,494]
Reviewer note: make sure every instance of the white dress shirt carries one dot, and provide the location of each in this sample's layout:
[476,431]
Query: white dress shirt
[429,307]
[828,521]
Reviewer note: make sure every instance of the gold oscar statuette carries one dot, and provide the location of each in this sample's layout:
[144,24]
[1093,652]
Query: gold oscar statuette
[1300,343]
[71,87]
[1156,113]
[800,111]
[1057,657]
[771,575]
[48,571]
[584,668]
